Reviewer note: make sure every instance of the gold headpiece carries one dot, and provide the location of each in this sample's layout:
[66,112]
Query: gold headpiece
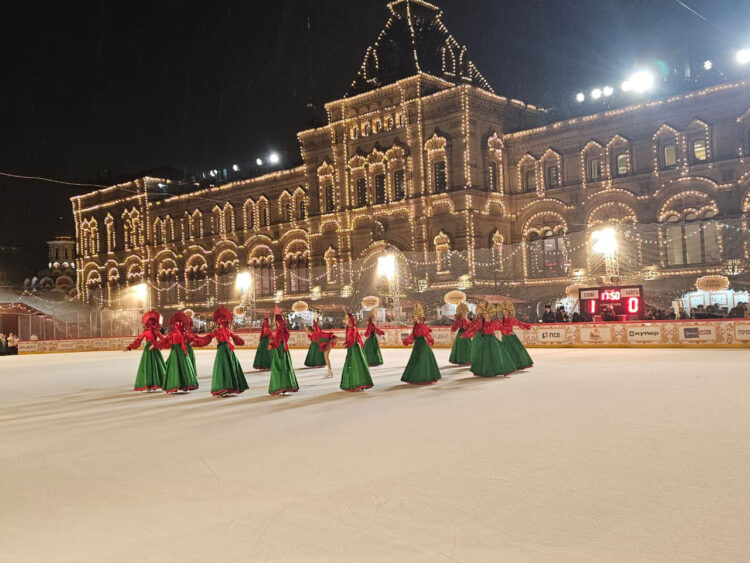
[462,310]
[486,310]
[507,308]
[372,315]
[418,312]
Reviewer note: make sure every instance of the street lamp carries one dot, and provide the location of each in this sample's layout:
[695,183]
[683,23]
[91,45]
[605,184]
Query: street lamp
[387,271]
[274,158]
[605,243]
[387,267]
[244,283]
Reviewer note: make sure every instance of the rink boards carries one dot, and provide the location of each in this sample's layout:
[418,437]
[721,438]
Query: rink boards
[730,333]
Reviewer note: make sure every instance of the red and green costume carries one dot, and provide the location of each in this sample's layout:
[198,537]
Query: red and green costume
[262,360]
[461,351]
[513,344]
[283,378]
[422,368]
[319,342]
[151,369]
[228,377]
[372,344]
[491,358]
[180,376]
[356,374]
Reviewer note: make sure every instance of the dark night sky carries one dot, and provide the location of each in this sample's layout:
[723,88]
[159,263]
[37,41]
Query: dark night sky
[129,86]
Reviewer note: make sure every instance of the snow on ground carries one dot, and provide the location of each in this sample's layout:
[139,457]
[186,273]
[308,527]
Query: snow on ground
[594,455]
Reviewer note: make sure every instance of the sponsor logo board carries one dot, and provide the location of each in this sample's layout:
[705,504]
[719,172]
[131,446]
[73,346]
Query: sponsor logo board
[699,333]
[551,335]
[643,334]
[596,335]
[742,332]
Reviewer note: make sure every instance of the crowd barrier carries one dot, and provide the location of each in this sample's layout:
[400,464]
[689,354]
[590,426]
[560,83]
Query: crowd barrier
[725,333]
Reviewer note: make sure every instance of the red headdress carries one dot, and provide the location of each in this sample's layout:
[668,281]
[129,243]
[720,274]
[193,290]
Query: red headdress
[222,315]
[151,316]
[180,317]
[352,320]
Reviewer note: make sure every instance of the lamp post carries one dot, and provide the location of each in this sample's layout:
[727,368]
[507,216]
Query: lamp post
[387,270]
[244,283]
[605,243]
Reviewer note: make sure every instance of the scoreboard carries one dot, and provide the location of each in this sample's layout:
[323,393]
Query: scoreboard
[625,300]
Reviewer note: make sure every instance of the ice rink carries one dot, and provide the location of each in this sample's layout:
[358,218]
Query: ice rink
[593,455]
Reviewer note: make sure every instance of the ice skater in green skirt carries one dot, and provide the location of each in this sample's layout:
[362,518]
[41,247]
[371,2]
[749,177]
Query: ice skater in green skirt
[180,376]
[461,351]
[283,378]
[263,354]
[422,368]
[152,369]
[315,356]
[356,374]
[512,343]
[191,338]
[372,344]
[228,377]
[490,358]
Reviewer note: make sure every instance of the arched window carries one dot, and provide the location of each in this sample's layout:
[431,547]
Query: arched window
[109,224]
[329,199]
[361,192]
[380,196]
[442,253]
[399,185]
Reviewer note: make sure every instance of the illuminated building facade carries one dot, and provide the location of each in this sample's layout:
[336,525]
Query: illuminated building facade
[423,159]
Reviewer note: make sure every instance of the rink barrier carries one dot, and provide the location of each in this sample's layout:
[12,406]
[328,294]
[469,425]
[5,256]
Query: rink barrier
[721,333]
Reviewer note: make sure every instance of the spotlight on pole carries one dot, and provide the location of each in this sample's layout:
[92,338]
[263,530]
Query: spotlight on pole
[274,158]
[580,97]
[641,81]
[236,167]
[387,267]
[259,161]
[605,241]
[140,292]
[708,65]
[743,56]
[244,281]
[608,91]
[596,93]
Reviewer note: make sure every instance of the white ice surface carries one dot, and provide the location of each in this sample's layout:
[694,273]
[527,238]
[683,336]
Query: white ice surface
[594,455]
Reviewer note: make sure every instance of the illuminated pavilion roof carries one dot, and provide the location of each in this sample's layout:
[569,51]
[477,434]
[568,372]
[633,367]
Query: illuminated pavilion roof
[415,40]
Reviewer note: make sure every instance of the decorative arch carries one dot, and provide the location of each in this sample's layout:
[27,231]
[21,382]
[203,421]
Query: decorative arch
[611,212]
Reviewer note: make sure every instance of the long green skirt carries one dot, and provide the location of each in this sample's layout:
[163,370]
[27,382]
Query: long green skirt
[151,370]
[476,341]
[228,378]
[517,351]
[191,355]
[180,374]
[355,375]
[461,351]
[262,355]
[372,351]
[422,368]
[315,358]
[283,378]
[492,359]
